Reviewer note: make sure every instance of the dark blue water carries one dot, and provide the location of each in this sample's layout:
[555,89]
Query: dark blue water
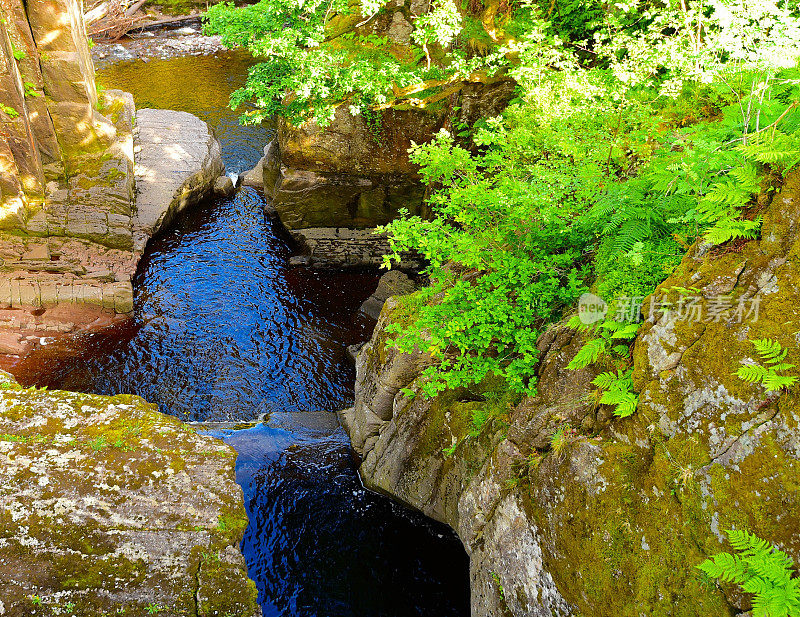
[224,330]
[320,545]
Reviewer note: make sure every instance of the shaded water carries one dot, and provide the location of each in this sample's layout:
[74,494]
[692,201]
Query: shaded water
[224,330]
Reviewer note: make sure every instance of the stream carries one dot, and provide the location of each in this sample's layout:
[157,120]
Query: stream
[225,331]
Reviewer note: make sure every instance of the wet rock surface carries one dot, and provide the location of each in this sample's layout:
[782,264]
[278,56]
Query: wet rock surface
[146,46]
[331,187]
[109,506]
[339,247]
[393,283]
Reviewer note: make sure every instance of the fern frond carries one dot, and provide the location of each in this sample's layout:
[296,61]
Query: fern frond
[605,380]
[631,232]
[726,567]
[752,373]
[728,192]
[769,350]
[618,391]
[588,354]
[761,570]
[727,229]
[774,382]
[746,542]
[626,332]
[627,406]
[780,150]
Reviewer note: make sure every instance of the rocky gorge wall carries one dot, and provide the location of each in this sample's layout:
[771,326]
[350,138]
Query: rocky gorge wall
[332,187]
[83,181]
[614,520]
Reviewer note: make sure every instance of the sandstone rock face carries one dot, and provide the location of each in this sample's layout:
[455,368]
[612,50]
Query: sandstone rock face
[614,521]
[67,178]
[108,506]
[347,175]
[73,270]
[356,173]
[94,200]
[177,162]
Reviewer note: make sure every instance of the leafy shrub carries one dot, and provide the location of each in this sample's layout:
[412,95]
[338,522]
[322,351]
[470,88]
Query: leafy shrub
[618,153]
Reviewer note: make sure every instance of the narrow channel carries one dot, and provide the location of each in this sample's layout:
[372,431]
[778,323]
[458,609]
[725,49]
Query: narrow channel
[225,331]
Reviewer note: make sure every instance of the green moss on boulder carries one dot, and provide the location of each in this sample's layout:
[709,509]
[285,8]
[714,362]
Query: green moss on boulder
[109,505]
[613,522]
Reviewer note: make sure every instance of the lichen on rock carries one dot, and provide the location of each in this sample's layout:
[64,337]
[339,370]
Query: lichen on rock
[109,505]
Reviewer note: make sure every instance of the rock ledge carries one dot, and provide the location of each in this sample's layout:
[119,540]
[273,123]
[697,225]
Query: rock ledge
[108,507]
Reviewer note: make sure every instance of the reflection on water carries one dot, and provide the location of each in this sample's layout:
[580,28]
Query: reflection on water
[201,86]
[224,330]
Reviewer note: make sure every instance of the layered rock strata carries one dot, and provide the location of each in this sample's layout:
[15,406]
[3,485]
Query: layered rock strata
[85,180]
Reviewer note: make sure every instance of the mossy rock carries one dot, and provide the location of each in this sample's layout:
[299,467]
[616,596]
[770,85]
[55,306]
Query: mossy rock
[108,505]
[613,521]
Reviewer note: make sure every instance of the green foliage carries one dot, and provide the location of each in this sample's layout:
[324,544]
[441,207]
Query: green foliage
[638,128]
[760,569]
[618,391]
[492,287]
[18,54]
[612,338]
[441,24]
[9,111]
[561,439]
[770,376]
[315,59]
[612,342]
[30,89]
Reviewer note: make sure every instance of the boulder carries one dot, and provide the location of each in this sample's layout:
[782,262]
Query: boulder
[393,283]
[178,160]
[255,177]
[109,507]
[356,172]
[223,186]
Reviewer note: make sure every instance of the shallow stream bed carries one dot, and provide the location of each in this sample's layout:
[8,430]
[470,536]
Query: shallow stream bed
[225,331]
